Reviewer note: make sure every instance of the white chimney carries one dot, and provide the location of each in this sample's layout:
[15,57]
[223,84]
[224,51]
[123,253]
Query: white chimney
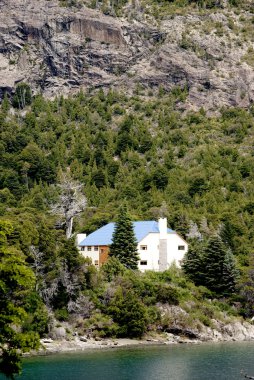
[80,238]
[163,244]
[163,227]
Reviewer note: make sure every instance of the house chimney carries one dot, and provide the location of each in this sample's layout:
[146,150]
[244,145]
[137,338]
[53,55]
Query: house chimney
[163,244]
[80,238]
[163,228]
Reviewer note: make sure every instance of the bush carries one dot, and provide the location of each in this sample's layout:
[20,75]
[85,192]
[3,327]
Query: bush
[112,268]
[130,314]
[168,294]
[62,314]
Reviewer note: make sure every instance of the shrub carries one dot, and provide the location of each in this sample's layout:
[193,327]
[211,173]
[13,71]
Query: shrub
[130,314]
[62,314]
[112,268]
[168,294]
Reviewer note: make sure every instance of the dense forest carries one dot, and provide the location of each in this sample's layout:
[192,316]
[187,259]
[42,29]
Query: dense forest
[140,148]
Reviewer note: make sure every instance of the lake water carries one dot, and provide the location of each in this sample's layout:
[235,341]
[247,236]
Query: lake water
[182,362]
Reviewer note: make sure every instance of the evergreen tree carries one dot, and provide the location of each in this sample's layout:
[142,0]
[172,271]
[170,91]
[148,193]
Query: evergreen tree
[5,104]
[124,245]
[23,96]
[230,273]
[221,273]
[212,265]
[193,263]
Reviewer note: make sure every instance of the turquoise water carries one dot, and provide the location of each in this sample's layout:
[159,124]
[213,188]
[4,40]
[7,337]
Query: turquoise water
[193,362]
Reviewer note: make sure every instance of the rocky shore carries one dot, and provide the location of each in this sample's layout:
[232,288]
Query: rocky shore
[236,331]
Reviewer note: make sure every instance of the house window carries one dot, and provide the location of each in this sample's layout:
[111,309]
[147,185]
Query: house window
[82,248]
[89,248]
[143,247]
[102,250]
[96,262]
[96,248]
[143,262]
[181,247]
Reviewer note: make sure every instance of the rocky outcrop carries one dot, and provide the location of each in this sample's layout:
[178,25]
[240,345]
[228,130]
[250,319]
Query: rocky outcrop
[60,50]
[181,325]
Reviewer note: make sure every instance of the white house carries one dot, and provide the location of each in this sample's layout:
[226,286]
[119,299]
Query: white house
[158,246]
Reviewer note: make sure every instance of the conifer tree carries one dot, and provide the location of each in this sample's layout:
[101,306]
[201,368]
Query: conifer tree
[230,273]
[193,263]
[5,104]
[221,273]
[212,265]
[124,245]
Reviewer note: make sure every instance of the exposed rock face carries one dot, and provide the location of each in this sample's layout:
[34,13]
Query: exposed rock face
[60,50]
[233,330]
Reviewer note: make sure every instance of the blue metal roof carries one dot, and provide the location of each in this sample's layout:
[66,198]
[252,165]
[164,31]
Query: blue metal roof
[103,236]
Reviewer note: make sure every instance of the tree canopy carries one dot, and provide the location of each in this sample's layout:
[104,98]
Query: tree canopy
[16,282]
[124,243]
[142,149]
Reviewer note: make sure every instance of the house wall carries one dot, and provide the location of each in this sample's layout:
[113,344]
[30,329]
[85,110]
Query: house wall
[175,254]
[104,250]
[152,255]
[93,255]
[98,256]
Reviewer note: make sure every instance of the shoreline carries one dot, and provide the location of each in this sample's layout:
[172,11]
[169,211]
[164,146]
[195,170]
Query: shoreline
[72,346]
[51,347]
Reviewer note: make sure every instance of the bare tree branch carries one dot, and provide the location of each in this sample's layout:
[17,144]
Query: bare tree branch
[71,201]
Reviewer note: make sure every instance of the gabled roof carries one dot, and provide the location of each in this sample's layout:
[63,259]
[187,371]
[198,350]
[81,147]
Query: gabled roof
[103,236]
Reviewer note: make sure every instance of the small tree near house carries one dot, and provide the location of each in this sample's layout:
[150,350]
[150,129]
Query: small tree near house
[124,244]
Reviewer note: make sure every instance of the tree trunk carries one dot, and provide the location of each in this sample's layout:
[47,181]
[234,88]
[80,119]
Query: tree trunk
[69,223]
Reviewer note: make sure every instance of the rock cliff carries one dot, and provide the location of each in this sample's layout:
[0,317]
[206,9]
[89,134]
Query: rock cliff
[60,50]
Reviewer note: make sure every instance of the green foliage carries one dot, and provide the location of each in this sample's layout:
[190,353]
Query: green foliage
[113,268]
[62,314]
[5,104]
[168,294]
[22,96]
[129,312]
[221,272]
[124,244]
[16,281]
[213,265]
[194,264]
[142,150]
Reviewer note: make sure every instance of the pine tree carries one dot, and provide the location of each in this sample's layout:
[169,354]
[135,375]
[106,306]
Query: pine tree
[212,265]
[124,245]
[193,263]
[221,273]
[5,104]
[230,273]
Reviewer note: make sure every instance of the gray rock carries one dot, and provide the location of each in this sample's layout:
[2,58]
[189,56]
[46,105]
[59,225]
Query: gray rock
[60,50]
[58,333]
